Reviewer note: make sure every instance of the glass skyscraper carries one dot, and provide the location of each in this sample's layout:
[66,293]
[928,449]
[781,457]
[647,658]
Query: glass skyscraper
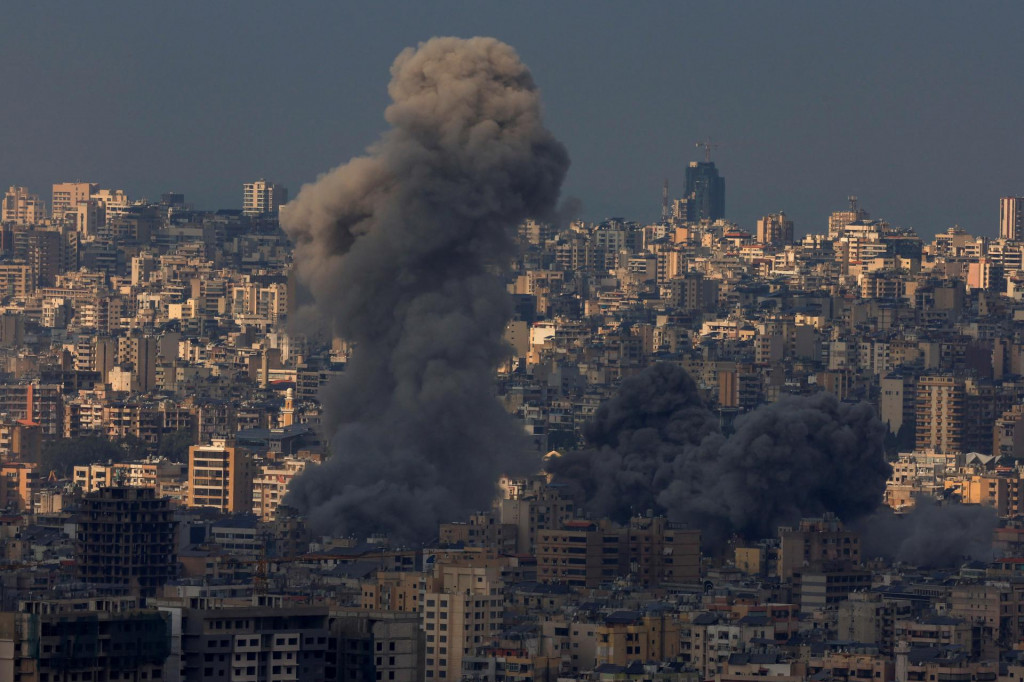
[706,190]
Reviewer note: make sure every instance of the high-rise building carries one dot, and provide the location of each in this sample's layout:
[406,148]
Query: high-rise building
[706,189]
[263,198]
[775,229]
[126,537]
[1011,218]
[90,216]
[67,195]
[462,610]
[941,401]
[220,476]
[43,249]
[142,354]
[22,208]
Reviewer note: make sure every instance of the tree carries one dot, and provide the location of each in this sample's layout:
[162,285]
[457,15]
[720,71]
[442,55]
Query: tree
[134,448]
[174,446]
[63,455]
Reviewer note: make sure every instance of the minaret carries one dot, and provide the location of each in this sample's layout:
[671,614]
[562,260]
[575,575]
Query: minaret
[288,413]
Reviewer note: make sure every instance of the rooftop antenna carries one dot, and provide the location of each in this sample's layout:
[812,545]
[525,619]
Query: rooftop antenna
[853,203]
[707,145]
[664,201]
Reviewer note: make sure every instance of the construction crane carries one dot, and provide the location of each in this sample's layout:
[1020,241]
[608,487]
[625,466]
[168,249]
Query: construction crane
[259,578]
[708,146]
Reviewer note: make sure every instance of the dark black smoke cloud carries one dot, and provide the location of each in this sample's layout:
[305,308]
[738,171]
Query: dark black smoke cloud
[930,535]
[569,210]
[656,445]
[402,250]
[633,443]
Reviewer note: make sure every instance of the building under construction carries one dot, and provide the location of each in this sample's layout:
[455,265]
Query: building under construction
[126,537]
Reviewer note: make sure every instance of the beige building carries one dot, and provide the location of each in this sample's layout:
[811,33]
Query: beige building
[115,202]
[22,208]
[16,279]
[263,198]
[253,303]
[90,217]
[462,611]
[220,476]
[1002,492]
[866,617]
[775,229]
[1011,217]
[481,530]
[993,608]
[271,484]
[67,196]
[628,636]
[816,544]
[650,552]
[18,484]
[148,473]
[394,591]
[940,407]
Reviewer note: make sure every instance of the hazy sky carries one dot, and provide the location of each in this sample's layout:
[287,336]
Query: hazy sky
[917,107]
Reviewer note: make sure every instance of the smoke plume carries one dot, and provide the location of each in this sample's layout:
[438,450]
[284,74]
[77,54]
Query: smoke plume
[655,445]
[930,535]
[403,251]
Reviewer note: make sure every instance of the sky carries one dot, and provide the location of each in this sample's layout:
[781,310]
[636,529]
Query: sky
[915,107]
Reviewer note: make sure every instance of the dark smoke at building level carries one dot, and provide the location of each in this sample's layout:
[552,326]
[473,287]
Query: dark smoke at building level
[930,535]
[401,250]
[656,446]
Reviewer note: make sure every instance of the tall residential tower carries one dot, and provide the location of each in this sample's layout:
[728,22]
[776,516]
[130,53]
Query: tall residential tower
[1011,216]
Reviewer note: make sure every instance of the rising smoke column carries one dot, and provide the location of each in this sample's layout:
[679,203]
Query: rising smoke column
[402,250]
[656,445]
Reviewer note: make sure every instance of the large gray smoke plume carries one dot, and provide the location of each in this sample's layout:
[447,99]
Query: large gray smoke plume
[931,535]
[402,250]
[656,446]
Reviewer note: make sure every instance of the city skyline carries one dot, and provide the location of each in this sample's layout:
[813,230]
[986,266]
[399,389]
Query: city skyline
[910,110]
[410,422]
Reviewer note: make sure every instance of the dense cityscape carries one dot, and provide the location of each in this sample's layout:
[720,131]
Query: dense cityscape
[420,421]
